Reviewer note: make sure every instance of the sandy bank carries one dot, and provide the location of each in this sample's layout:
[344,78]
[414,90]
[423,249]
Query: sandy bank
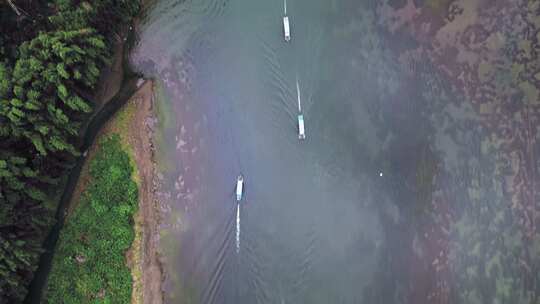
[144,254]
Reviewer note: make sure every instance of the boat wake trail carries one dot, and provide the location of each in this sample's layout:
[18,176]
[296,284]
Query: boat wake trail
[278,84]
[298,95]
[214,285]
[237,228]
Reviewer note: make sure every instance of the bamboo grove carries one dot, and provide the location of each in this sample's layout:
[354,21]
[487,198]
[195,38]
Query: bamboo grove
[51,55]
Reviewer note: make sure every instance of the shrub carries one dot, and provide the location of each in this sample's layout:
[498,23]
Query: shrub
[89,265]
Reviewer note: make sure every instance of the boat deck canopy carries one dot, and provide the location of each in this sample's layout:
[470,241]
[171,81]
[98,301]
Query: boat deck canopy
[286,28]
[301,130]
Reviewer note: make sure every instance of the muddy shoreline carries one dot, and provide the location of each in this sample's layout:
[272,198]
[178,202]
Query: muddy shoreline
[139,136]
[135,122]
[143,257]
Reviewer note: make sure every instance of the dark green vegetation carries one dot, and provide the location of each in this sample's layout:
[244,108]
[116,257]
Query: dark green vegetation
[89,264]
[51,55]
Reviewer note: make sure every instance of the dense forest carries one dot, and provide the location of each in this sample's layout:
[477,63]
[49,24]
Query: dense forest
[51,55]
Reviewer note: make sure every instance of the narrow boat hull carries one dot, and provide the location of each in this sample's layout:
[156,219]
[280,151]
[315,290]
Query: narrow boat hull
[286,29]
[301,130]
[239,188]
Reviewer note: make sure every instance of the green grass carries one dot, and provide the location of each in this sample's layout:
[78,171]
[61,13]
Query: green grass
[98,233]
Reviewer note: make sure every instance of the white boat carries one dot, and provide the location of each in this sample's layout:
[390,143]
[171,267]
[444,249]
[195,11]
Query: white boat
[301,131]
[286,28]
[239,187]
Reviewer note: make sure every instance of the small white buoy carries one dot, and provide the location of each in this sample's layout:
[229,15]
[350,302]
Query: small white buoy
[380,174]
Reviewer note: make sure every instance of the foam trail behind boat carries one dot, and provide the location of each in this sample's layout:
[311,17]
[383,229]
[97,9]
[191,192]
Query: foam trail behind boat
[285,7]
[237,228]
[298,94]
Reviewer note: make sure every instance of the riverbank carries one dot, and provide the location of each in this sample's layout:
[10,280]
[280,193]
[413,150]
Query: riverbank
[134,124]
[143,257]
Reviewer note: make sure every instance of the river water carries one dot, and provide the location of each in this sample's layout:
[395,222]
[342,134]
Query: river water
[355,213]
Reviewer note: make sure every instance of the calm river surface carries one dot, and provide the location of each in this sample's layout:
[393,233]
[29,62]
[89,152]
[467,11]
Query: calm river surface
[371,208]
